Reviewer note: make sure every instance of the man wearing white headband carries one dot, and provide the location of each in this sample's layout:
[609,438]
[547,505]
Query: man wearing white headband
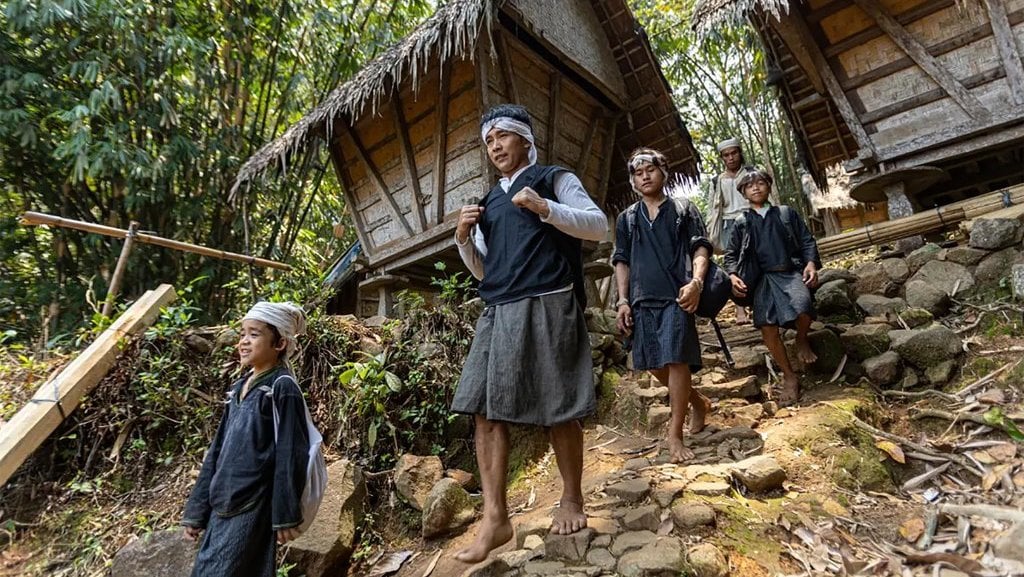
[530,361]
[726,203]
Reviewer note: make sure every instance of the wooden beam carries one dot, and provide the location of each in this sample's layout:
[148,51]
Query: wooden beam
[949,134]
[405,246]
[588,143]
[441,141]
[554,103]
[795,44]
[408,161]
[916,13]
[59,396]
[928,97]
[1006,45]
[916,51]
[350,197]
[930,152]
[484,101]
[601,194]
[375,176]
[511,88]
[828,77]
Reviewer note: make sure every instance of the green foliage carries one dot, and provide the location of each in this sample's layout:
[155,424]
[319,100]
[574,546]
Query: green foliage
[455,288]
[119,111]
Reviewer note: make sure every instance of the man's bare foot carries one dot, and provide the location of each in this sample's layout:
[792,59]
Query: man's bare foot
[677,451]
[804,351]
[490,536]
[790,390]
[568,518]
[742,318]
[701,408]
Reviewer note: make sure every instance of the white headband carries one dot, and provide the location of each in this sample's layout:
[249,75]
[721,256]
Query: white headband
[728,143]
[511,125]
[287,318]
[639,159]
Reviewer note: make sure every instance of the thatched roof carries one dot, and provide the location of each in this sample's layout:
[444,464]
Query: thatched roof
[711,13]
[452,31]
[835,196]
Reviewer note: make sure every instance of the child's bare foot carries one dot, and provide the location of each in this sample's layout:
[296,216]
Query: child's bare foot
[804,351]
[701,408]
[491,535]
[568,518]
[790,390]
[677,451]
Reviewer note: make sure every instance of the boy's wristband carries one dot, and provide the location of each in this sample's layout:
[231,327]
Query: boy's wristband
[621,302]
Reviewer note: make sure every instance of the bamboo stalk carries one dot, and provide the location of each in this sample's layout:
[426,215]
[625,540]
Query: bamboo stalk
[38,218]
[932,220]
[122,264]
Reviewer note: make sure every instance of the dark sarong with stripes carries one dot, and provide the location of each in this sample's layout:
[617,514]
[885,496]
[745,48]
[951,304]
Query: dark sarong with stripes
[529,364]
[664,335]
[780,297]
[242,545]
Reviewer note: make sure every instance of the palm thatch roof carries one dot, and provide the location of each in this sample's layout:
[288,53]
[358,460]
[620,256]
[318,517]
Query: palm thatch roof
[711,13]
[835,196]
[452,31]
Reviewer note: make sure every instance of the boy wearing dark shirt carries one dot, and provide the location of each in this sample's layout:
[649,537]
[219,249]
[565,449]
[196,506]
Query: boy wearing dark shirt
[653,243]
[773,257]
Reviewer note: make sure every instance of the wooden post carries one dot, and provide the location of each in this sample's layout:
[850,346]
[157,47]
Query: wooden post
[1006,45]
[122,264]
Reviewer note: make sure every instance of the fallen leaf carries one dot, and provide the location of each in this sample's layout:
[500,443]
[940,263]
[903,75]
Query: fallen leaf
[432,564]
[912,528]
[992,477]
[1003,452]
[1018,480]
[892,449]
[992,397]
[983,457]
[390,564]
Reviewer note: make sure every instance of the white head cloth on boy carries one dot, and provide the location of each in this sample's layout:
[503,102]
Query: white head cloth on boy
[647,157]
[286,317]
[511,125]
[728,143]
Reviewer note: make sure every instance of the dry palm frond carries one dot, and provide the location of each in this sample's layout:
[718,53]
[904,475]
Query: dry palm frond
[710,14]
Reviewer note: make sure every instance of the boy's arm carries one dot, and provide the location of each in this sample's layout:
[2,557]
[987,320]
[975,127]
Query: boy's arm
[620,258]
[197,508]
[698,238]
[291,456]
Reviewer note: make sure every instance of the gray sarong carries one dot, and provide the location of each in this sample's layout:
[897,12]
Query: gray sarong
[529,364]
[780,297]
[242,545]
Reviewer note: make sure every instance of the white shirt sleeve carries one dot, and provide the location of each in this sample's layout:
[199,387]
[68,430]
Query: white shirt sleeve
[575,213]
[473,252]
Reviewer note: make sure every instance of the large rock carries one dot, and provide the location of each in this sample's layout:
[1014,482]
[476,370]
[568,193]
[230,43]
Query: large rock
[945,276]
[571,547]
[160,554]
[875,278]
[658,415]
[644,517]
[940,373]
[448,507]
[966,255]
[690,515]
[919,257]
[663,557]
[630,491]
[827,275]
[833,298]
[922,295]
[829,349]
[997,265]
[879,306]
[916,317]
[995,233]
[416,476]
[631,541]
[929,346]
[866,341]
[760,473]
[739,389]
[705,560]
[883,370]
[331,539]
[1010,545]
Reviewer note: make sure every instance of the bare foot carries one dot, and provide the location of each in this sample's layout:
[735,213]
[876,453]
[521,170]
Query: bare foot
[677,451]
[742,318]
[490,536]
[804,351]
[568,518]
[790,390]
[701,408]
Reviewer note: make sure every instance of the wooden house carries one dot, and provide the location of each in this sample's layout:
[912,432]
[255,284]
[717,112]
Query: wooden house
[922,99]
[404,131]
[833,209]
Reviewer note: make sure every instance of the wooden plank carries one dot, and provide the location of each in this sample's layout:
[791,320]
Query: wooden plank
[960,145]
[588,142]
[793,43]
[937,94]
[409,162]
[407,245]
[375,176]
[554,104]
[59,396]
[441,142]
[483,100]
[916,51]
[606,159]
[511,87]
[914,14]
[828,77]
[350,196]
[1006,44]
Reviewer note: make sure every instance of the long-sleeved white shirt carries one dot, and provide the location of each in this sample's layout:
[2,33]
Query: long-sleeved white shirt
[574,214]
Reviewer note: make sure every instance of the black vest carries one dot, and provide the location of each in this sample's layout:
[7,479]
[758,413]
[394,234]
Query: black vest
[526,257]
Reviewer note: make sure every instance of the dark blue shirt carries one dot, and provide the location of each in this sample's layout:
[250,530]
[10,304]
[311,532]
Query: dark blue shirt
[245,464]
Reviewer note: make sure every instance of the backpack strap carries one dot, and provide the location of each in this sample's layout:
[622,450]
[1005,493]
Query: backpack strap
[273,405]
[786,215]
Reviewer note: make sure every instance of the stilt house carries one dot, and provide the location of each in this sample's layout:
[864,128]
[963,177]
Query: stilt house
[922,99]
[404,132]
